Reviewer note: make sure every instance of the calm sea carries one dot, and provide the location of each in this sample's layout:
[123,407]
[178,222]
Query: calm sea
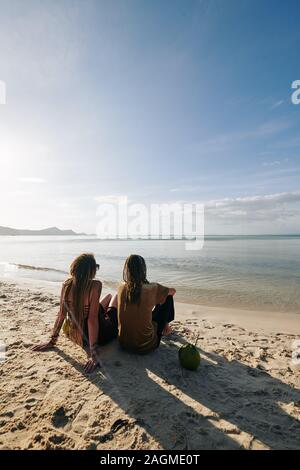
[255,272]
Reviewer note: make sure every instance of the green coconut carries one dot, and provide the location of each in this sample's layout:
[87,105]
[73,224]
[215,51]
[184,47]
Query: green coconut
[189,356]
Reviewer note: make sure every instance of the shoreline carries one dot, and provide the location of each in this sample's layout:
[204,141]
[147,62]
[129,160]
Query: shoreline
[234,311]
[245,394]
[258,320]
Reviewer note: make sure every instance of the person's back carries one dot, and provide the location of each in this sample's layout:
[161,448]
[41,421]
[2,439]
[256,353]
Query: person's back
[144,309]
[84,320]
[137,332]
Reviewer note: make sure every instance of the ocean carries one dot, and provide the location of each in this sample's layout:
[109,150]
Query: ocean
[254,272]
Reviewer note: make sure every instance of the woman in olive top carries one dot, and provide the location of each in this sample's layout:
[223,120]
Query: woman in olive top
[144,309]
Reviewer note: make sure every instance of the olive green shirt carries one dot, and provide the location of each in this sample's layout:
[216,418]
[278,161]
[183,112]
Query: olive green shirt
[137,331]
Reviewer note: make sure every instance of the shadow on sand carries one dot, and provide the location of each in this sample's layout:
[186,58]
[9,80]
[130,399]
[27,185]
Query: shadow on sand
[234,397]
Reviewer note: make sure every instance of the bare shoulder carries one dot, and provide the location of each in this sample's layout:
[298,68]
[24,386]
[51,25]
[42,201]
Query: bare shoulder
[65,285]
[121,285]
[150,286]
[96,285]
[67,282]
[157,286]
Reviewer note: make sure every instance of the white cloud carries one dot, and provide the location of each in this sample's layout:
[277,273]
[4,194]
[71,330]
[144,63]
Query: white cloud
[277,104]
[273,163]
[31,179]
[271,207]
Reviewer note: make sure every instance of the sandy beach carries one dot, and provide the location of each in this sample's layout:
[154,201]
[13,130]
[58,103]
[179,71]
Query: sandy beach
[245,394]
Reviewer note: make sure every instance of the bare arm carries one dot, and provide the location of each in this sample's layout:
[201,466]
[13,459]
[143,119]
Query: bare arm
[93,327]
[162,293]
[93,319]
[57,326]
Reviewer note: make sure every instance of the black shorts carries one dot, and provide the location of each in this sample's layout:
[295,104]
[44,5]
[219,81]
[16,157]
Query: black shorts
[108,326]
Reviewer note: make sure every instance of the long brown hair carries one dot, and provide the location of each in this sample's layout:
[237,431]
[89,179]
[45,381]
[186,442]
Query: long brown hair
[134,275]
[83,270]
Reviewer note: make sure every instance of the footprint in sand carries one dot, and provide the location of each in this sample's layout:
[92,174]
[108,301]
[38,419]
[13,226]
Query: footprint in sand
[79,424]
[31,400]
[7,414]
[59,418]
[115,427]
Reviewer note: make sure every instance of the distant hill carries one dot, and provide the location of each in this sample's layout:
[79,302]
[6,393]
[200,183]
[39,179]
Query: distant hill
[45,231]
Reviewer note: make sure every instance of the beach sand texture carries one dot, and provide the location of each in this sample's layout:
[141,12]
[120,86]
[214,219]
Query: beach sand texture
[245,394]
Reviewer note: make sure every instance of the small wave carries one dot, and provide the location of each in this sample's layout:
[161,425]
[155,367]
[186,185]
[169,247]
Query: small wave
[37,268]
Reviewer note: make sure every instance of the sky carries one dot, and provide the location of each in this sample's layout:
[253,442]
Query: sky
[160,101]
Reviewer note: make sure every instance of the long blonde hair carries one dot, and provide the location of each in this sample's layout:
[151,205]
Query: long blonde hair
[134,275]
[83,270]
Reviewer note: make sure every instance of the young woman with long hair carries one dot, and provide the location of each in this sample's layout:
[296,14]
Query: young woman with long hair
[85,321]
[144,309]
